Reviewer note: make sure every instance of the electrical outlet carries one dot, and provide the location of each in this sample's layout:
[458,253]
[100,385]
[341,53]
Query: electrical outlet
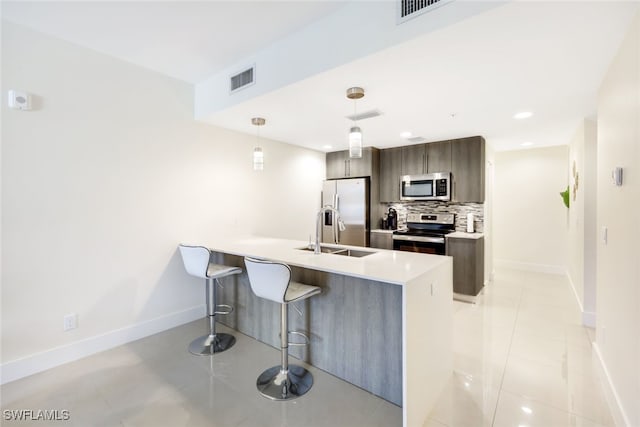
[70,321]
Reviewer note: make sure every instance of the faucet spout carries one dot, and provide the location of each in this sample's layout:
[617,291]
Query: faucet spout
[321,213]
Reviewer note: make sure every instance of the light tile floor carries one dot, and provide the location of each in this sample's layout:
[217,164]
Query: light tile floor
[521,358]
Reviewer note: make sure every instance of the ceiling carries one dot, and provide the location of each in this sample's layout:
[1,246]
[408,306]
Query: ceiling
[468,78]
[188,40]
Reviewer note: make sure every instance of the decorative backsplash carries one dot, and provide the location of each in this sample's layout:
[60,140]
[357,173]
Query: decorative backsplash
[459,209]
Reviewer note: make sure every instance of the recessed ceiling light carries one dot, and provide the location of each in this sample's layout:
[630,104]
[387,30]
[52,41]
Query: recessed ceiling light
[527,144]
[327,147]
[526,410]
[523,115]
[406,135]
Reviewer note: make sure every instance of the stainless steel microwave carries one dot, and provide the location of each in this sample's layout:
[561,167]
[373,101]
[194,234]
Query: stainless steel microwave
[433,186]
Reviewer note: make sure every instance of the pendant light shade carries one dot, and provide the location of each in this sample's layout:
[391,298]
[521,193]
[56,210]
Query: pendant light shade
[355,142]
[258,154]
[355,133]
[258,159]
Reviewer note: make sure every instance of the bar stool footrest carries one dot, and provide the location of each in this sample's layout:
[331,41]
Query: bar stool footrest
[304,336]
[226,309]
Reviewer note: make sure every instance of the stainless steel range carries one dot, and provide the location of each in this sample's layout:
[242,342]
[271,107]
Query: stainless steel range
[425,233]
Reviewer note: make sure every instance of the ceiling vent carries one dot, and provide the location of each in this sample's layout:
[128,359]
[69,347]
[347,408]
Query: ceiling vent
[416,140]
[366,115]
[242,79]
[408,9]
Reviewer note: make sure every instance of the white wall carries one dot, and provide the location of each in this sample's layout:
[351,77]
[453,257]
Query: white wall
[488,211]
[618,309]
[581,227]
[530,220]
[103,179]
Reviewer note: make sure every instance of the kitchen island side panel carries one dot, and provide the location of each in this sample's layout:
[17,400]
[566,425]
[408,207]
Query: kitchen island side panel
[428,344]
[354,325]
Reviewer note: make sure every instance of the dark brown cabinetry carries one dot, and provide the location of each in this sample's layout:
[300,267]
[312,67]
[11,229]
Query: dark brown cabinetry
[381,240]
[390,172]
[426,158]
[464,158]
[467,168]
[339,165]
[468,264]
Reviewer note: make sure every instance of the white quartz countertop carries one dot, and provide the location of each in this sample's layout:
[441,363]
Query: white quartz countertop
[463,235]
[384,265]
[379,230]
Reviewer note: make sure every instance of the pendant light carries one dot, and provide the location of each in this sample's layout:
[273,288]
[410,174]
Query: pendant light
[258,155]
[355,133]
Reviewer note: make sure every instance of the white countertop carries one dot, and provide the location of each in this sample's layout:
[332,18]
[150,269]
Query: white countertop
[463,235]
[379,230]
[384,265]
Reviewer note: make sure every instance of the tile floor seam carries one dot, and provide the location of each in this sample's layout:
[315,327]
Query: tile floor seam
[504,371]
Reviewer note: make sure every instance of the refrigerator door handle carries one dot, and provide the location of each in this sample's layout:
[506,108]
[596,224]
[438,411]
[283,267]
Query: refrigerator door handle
[336,229]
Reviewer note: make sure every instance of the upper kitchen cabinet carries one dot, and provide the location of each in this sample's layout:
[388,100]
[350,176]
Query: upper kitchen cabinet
[390,171]
[339,165]
[438,156]
[426,158]
[467,167]
[414,160]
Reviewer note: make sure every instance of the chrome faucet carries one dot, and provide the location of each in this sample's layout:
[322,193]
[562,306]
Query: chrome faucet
[321,213]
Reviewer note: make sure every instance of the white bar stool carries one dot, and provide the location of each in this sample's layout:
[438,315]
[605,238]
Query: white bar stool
[272,281]
[197,262]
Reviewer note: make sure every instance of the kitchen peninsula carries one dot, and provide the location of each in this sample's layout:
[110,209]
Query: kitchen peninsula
[383,321]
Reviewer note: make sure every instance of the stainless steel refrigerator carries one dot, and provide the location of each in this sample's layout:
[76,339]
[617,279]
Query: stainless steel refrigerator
[351,198]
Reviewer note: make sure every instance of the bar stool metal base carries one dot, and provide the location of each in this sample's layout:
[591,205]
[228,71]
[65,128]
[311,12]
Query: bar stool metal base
[208,345]
[276,384]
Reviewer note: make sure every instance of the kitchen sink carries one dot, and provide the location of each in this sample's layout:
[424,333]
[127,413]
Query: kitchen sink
[337,250]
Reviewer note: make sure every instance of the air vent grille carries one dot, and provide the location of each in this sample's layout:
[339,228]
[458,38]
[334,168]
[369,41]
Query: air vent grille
[416,139]
[408,9]
[366,115]
[242,79]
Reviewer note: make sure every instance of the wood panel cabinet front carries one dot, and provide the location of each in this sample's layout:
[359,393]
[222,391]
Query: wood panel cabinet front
[390,171]
[340,165]
[468,264]
[438,156]
[381,240]
[468,169]
[414,158]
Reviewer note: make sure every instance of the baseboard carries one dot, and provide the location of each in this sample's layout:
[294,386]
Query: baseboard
[589,319]
[32,364]
[617,411]
[527,266]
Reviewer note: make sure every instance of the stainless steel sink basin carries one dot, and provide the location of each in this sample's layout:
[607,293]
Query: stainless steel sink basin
[352,252]
[337,250]
[323,249]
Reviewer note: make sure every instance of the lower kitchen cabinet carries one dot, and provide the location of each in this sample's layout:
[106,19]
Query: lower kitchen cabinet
[381,240]
[468,264]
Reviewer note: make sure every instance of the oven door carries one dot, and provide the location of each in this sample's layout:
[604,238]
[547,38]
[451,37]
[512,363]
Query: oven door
[421,244]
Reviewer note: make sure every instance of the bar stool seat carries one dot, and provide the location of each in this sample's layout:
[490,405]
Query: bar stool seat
[272,281]
[197,262]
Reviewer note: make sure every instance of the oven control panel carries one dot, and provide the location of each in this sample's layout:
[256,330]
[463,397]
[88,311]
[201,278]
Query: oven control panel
[431,218]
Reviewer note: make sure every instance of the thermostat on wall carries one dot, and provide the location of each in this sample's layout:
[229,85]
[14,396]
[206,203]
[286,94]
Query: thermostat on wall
[19,100]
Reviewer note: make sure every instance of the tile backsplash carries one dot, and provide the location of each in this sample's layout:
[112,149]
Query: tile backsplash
[459,209]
